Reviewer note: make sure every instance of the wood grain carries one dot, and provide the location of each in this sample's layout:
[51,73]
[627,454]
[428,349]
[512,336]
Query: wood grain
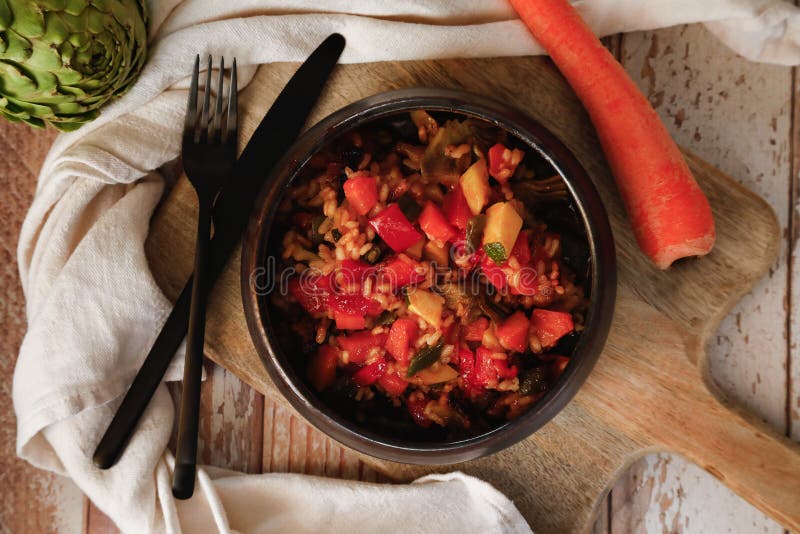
[662,370]
[736,115]
[30,500]
[793,371]
[665,493]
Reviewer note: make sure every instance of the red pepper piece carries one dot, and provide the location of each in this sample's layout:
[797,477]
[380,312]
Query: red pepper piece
[474,330]
[355,271]
[489,371]
[322,367]
[550,326]
[353,305]
[359,344]
[485,370]
[369,374]
[362,193]
[346,321]
[513,333]
[416,408]
[526,283]
[466,361]
[401,272]
[435,225]
[502,162]
[522,248]
[494,273]
[394,228]
[402,334]
[466,366]
[450,334]
[311,292]
[393,384]
[456,209]
[505,371]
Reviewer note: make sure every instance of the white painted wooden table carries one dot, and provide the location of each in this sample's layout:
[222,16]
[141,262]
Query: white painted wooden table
[739,116]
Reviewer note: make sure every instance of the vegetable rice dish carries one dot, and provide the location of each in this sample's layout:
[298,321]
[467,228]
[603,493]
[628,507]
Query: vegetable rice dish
[429,274]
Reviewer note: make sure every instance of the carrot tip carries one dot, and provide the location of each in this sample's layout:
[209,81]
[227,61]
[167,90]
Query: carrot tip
[668,255]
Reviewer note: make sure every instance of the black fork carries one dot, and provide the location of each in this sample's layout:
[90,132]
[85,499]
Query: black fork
[209,156]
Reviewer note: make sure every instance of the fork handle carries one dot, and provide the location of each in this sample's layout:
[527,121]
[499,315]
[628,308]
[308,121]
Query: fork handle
[186,453]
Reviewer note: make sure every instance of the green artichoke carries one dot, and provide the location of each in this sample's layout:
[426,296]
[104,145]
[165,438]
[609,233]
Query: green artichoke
[61,60]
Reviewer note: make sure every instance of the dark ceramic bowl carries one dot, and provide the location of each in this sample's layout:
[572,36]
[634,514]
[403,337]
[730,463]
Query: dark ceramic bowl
[269,330]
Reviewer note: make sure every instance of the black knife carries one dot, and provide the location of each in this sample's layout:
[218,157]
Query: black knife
[273,137]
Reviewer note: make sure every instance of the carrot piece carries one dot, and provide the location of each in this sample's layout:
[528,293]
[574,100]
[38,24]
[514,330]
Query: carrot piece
[513,332]
[670,215]
[322,367]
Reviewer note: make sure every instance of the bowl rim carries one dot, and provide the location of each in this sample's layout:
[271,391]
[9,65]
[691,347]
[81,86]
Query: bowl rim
[591,212]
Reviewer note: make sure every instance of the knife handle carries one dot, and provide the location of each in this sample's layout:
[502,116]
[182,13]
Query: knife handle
[145,383]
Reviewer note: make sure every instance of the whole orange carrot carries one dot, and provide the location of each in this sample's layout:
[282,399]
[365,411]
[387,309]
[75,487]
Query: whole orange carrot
[669,213]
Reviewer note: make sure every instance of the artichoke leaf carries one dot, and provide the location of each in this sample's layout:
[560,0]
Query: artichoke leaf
[26,17]
[5,19]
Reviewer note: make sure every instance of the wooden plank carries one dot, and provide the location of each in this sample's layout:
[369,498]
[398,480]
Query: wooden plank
[293,446]
[30,500]
[736,115]
[231,422]
[275,448]
[793,363]
[231,419]
[666,494]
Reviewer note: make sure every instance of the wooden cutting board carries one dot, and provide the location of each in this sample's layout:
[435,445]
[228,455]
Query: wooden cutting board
[650,391]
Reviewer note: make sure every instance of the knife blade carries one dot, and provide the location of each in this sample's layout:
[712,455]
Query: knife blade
[273,137]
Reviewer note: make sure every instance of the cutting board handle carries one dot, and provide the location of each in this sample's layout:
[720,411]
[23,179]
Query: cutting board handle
[741,451]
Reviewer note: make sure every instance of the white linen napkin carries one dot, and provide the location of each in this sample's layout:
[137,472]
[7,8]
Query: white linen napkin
[94,309]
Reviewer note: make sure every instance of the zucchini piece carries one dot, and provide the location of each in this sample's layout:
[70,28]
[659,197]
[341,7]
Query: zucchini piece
[534,380]
[475,184]
[385,318]
[434,253]
[409,207]
[415,250]
[436,374]
[424,358]
[427,305]
[372,256]
[503,224]
[434,162]
[475,228]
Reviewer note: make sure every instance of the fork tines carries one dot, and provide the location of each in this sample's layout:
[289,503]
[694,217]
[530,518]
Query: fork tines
[209,129]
